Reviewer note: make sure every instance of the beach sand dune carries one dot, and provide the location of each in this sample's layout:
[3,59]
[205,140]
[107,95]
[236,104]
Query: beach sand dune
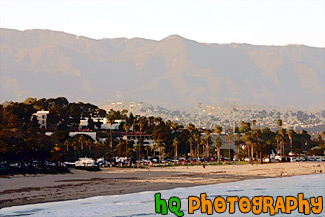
[20,189]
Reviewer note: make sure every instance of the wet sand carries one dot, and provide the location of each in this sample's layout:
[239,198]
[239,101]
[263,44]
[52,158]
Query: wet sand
[20,189]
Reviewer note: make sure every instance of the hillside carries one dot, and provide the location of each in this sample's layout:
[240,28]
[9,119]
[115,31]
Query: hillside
[171,72]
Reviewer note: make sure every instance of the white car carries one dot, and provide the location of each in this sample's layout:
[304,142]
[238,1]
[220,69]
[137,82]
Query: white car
[85,162]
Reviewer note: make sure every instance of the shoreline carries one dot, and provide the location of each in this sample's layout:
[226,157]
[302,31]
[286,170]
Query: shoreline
[31,189]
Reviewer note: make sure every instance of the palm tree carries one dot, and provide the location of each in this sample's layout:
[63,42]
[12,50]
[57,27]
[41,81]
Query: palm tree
[191,129]
[278,147]
[89,143]
[67,143]
[169,123]
[176,143]
[158,121]
[147,148]
[82,139]
[74,144]
[207,147]
[111,120]
[150,121]
[249,141]
[174,127]
[290,135]
[218,144]
[203,144]
[238,134]
[279,122]
[218,131]
[58,153]
[282,144]
[160,145]
[197,137]
[230,137]
[141,123]
[120,148]
[255,135]
[126,127]
[280,132]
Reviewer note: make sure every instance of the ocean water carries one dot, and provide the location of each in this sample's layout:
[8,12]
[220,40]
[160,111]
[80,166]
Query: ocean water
[143,204]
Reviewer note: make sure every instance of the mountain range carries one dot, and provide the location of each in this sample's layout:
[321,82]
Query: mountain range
[173,72]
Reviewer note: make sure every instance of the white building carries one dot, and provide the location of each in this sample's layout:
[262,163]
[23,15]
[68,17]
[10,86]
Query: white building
[42,118]
[104,123]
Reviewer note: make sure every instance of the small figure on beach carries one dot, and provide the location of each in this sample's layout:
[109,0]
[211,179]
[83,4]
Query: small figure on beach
[203,166]
[283,174]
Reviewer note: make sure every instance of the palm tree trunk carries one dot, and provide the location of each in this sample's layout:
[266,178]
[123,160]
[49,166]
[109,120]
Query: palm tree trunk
[203,150]
[111,138]
[218,149]
[229,152]
[207,149]
[252,151]
[82,146]
[126,144]
[197,149]
[159,154]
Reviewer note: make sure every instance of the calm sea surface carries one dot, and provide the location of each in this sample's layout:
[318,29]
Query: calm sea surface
[142,204]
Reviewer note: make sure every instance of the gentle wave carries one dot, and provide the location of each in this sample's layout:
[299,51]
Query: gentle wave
[142,203]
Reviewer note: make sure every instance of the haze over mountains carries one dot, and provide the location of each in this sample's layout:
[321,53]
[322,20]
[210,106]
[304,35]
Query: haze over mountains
[172,72]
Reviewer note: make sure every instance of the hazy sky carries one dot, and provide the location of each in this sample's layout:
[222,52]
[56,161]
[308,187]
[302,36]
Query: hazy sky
[269,22]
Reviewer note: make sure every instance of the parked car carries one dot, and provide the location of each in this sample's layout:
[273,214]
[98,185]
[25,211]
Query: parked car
[318,158]
[293,159]
[85,162]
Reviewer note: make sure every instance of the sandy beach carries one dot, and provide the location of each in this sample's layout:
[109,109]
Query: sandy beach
[20,189]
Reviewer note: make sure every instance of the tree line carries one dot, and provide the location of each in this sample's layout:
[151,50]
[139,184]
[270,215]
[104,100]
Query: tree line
[21,139]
